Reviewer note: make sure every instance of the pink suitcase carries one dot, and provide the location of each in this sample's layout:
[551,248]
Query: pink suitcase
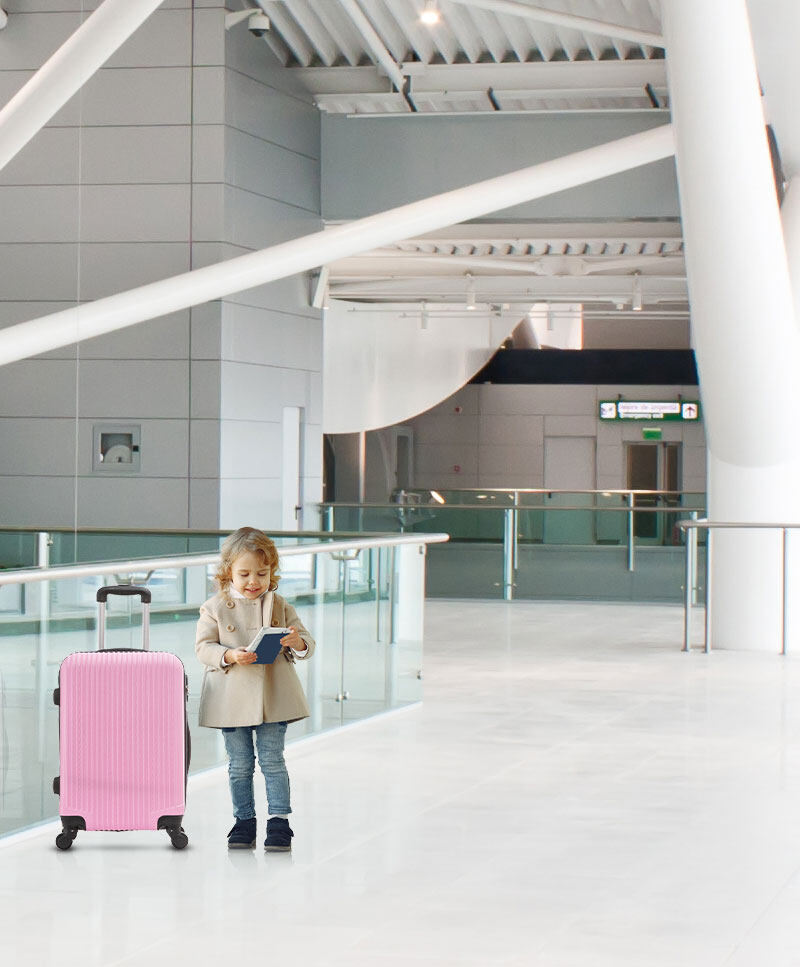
[124,742]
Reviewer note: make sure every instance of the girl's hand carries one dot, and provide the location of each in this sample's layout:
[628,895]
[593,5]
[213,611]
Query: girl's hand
[240,656]
[293,641]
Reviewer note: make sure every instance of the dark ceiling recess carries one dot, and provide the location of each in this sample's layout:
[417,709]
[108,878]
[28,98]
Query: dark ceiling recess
[657,367]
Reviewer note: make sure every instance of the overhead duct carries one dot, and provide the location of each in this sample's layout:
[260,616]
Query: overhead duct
[301,254]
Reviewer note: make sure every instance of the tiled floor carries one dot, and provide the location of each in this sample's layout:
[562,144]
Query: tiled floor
[575,792]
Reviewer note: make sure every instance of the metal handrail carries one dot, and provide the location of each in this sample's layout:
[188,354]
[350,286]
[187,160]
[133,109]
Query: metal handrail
[690,577]
[34,574]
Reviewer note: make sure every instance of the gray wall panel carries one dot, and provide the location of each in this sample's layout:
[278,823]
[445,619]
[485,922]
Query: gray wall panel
[209,37]
[208,153]
[204,504]
[128,502]
[272,116]
[273,338]
[438,154]
[134,96]
[164,338]
[256,222]
[250,448]
[115,266]
[38,214]
[33,37]
[54,390]
[35,501]
[205,389]
[134,213]
[206,330]
[208,95]
[127,389]
[204,448]
[272,170]
[50,158]
[163,40]
[135,155]
[43,446]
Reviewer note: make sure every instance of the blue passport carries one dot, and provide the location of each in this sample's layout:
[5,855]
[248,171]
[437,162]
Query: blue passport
[267,644]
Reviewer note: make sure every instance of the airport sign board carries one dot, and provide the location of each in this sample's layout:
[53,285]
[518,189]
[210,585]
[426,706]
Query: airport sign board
[685,411]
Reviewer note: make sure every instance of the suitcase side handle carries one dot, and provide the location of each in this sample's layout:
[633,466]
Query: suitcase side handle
[125,589]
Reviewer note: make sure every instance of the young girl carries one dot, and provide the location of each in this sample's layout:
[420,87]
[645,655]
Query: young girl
[252,704]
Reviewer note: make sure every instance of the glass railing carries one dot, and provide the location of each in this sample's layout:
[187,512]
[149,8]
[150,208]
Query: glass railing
[24,547]
[595,545]
[361,599]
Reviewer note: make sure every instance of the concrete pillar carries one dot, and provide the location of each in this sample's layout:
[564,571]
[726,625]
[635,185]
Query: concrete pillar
[745,338]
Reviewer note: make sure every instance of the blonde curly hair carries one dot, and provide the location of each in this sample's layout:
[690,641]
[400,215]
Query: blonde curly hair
[240,541]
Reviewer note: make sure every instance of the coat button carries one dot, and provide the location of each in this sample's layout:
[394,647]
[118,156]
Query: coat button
[229,604]
[231,628]
[274,622]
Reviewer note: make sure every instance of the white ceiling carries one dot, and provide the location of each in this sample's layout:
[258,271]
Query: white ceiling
[376,57]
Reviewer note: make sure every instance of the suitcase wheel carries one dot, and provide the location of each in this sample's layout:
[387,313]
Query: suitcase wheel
[64,840]
[178,838]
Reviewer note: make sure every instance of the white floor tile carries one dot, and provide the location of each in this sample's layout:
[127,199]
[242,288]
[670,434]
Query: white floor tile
[574,792]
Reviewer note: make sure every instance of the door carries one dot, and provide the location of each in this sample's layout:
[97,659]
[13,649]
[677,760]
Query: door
[653,466]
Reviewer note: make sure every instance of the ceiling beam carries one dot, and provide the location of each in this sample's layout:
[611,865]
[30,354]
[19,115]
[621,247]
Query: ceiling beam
[289,258]
[562,76]
[374,43]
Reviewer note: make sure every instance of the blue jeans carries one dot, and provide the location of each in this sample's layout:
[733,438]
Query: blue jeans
[269,738]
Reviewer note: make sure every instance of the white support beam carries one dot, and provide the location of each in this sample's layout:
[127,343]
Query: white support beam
[3,18]
[68,70]
[646,37]
[374,42]
[301,254]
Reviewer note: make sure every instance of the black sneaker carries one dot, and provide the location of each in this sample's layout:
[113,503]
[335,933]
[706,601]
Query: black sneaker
[243,834]
[279,835]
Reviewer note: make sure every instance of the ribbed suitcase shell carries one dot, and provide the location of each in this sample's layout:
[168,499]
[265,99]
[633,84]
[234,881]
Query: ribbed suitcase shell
[122,738]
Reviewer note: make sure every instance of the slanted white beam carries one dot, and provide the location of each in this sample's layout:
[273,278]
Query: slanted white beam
[67,70]
[3,18]
[646,37]
[374,42]
[300,254]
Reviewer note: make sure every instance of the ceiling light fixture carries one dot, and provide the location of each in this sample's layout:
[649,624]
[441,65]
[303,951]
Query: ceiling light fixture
[636,295]
[470,290]
[430,15]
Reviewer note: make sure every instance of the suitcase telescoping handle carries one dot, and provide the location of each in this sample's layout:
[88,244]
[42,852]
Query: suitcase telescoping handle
[124,589]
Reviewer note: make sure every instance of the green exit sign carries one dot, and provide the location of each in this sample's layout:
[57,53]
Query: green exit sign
[685,411]
[651,432]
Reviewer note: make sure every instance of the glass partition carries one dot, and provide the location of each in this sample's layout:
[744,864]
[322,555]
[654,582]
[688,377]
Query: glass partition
[363,606]
[606,545]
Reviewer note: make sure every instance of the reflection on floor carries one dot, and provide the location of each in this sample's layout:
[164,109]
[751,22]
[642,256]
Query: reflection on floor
[574,791]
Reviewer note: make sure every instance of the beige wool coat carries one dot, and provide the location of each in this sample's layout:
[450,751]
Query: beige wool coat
[248,694]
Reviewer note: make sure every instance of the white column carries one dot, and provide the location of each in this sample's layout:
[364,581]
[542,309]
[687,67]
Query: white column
[743,330]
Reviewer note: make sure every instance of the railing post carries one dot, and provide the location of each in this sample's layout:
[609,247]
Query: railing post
[707,630]
[508,554]
[630,532]
[785,589]
[687,592]
[692,532]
